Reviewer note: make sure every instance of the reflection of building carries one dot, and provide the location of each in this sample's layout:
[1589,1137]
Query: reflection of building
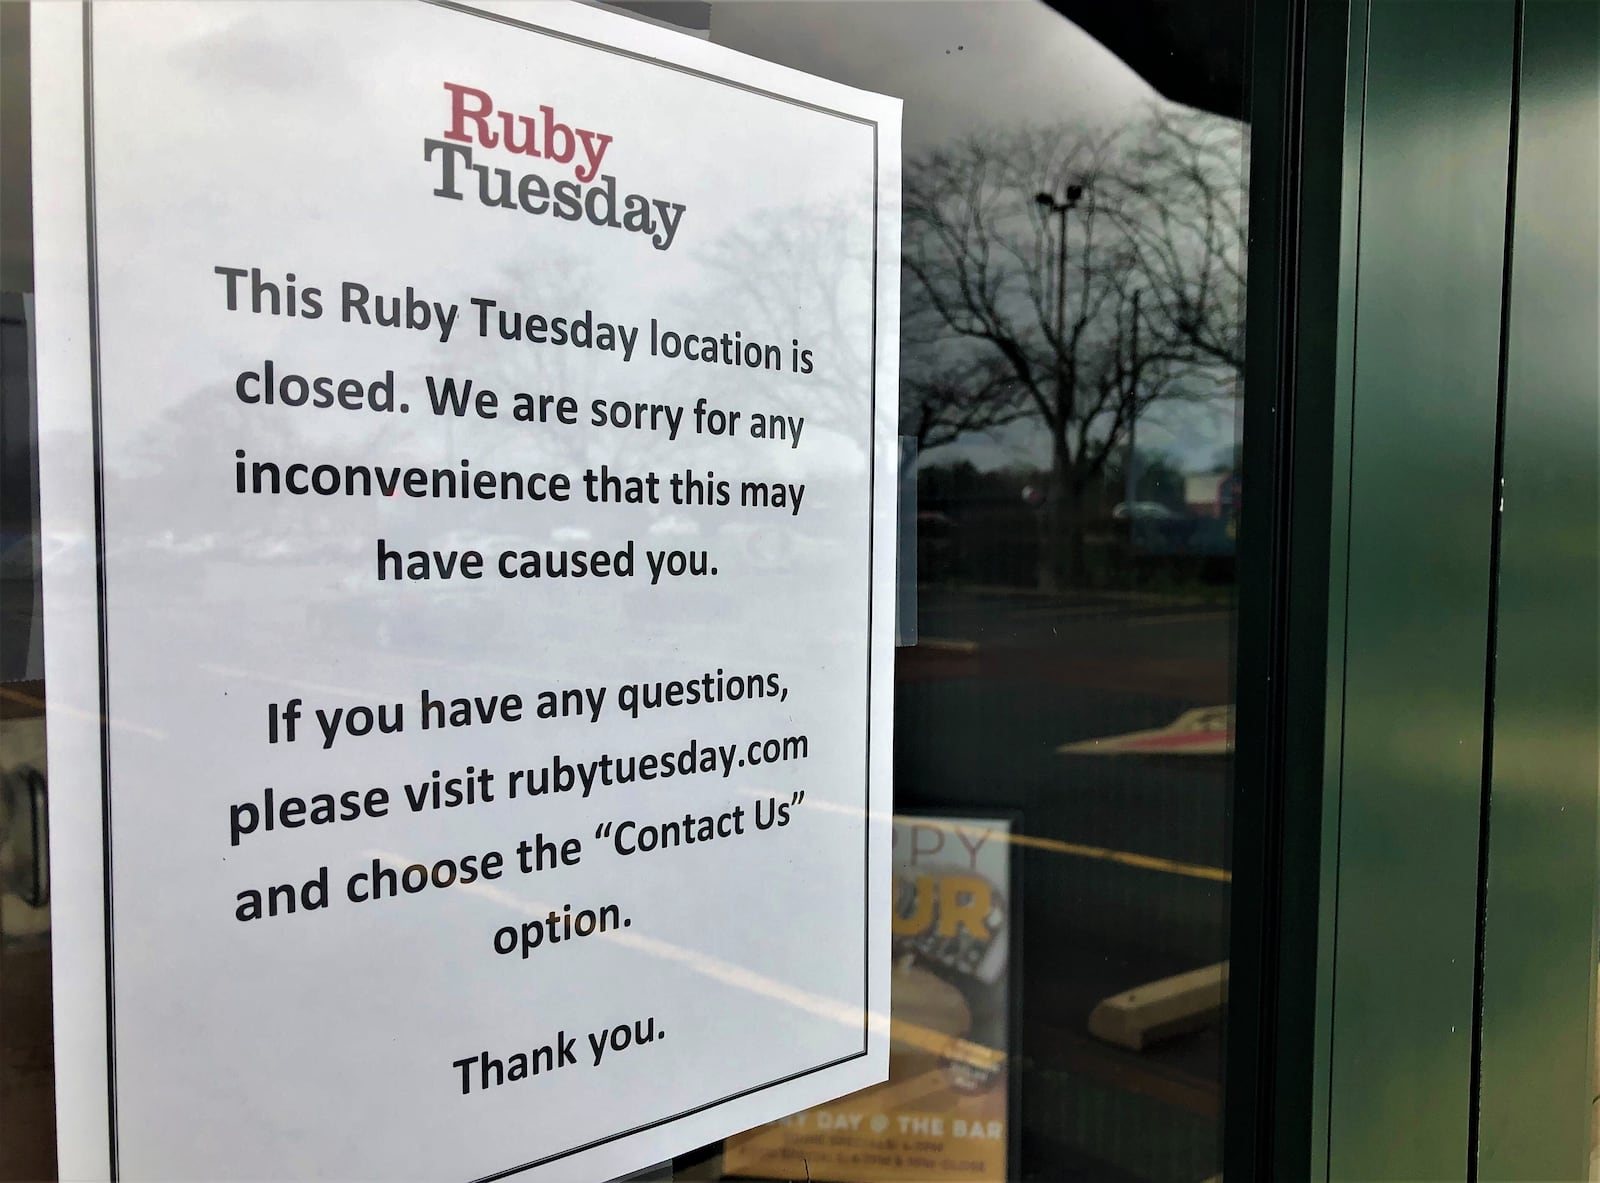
[1212,494]
[1200,493]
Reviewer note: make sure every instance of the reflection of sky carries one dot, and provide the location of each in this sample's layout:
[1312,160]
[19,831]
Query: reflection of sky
[961,67]
[964,67]
[350,221]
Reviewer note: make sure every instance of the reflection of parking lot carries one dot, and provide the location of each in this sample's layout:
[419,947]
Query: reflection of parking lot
[981,725]
[451,620]
[17,607]
[753,547]
[322,579]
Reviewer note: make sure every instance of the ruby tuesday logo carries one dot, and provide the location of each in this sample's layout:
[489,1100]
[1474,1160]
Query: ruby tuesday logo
[476,122]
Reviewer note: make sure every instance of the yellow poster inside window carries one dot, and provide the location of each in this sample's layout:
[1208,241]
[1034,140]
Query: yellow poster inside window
[944,1113]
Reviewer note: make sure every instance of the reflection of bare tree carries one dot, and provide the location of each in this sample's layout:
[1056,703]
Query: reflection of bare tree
[1143,310]
[1186,211]
[943,400]
[806,270]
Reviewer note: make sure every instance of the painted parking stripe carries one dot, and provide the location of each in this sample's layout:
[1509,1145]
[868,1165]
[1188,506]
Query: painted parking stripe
[1205,731]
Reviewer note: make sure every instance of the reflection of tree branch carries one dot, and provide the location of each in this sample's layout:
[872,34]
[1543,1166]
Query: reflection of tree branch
[944,405]
[1187,216]
[1154,260]
[804,266]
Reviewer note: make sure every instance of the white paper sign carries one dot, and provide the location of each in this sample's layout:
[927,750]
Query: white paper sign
[469,698]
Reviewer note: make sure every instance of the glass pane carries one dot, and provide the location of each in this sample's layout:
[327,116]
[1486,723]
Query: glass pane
[1072,342]
[1071,356]
[27,1101]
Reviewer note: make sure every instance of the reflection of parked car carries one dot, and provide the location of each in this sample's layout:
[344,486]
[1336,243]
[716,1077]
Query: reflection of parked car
[749,547]
[1153,529]
[357,612]
[1144,511]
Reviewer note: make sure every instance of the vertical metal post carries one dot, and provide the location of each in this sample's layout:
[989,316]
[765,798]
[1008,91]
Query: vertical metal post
[1130,480]
[1435,152]
[1536,1045]
[1061,285]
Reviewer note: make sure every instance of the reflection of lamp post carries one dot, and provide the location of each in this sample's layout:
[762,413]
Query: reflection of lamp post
[1065,399]
[1060,208]
[1130,478]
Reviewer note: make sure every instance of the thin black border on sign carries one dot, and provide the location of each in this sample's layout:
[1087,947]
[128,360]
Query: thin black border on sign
[92,260]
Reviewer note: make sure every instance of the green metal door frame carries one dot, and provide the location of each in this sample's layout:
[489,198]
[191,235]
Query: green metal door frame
[1536,1078]
[1424,397]
[1414,925]
[1305,68]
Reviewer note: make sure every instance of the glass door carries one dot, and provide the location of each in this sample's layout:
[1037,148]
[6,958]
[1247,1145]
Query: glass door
[1072,402]
[1072,357]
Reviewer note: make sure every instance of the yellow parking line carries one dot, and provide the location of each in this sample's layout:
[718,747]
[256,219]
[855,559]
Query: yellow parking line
[1146,862]
[946,645]
[1127,858]
[61,708]
[1055,610]
[1179,617]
